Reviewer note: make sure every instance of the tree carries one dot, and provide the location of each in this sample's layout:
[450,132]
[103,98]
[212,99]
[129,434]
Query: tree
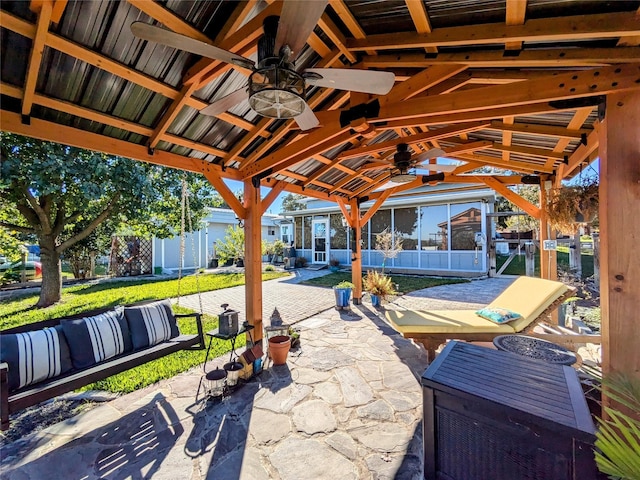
[293,202]
[62,194]
[519,223]
[389,244]
[231,247]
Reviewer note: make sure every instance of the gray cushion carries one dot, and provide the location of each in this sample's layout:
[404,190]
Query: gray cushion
[151,324]
[34,356]
[95,339]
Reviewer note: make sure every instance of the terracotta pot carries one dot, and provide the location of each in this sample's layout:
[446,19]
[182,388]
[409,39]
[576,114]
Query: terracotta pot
[279,348]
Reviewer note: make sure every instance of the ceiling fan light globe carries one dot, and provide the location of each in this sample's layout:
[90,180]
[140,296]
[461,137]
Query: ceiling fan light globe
[276,92]
[403,178]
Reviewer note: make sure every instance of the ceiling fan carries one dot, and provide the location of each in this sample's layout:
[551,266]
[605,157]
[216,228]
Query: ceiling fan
[275,89]
[403,162]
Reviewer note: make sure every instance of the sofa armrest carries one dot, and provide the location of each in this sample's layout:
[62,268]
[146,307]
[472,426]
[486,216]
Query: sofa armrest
[198,318]
[4,396]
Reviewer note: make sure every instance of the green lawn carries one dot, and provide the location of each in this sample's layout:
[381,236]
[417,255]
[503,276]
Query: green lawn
[83,298]
[517,265]
[405,283]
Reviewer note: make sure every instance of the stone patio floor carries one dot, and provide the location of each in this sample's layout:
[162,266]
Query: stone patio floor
[347,405]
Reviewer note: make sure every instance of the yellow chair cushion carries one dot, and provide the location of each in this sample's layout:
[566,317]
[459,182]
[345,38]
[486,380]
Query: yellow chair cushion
[443,321]
[527,296]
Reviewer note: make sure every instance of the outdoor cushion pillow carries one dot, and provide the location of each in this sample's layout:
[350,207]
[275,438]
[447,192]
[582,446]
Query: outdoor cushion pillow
[95,339]
[151,324]
[498,315]
[34,356]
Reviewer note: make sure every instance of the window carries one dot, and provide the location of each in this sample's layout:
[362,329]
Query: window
[285,234]
[406,223]
[434,228]
[298,232]
[466,220]
[306,234]
[337,232]
[271,232]
[380,221]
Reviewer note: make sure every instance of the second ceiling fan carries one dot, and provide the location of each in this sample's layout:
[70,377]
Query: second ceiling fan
[275,89]
[404,161]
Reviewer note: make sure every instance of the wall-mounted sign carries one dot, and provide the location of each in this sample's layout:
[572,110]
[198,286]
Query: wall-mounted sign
[549,245]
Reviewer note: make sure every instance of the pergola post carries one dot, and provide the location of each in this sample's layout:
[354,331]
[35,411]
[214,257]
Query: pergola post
[356,252]
[253,259]
[619,233]
[548,258]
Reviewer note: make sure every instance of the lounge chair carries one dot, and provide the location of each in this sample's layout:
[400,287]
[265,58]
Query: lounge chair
[533,298]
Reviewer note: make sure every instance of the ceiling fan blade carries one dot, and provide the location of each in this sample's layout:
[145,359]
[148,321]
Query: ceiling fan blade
[225,103]
[432,153]
[297,21]
[365,81]
[438,167]
[307,119]
[191,45]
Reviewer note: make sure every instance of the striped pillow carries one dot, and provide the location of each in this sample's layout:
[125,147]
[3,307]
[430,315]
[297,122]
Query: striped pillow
[151,324]
[95,339]
[34,356]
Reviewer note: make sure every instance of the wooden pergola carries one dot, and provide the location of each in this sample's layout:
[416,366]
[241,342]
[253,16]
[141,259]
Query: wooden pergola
[525,87]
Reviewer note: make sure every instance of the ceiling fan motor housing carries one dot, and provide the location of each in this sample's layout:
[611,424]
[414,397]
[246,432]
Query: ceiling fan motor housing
[402,158]
[276,90]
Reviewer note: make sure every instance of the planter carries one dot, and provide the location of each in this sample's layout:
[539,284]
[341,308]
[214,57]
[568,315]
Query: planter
[279,348]
[343,296]
[157,270]
[334,269]
[375,300]
[213,263]
[240,262]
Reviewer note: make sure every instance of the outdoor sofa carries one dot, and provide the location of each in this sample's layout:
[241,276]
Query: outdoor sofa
[42,360]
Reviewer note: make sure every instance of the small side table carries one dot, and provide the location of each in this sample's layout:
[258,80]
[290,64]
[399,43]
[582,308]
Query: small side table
[535,348]
[232,338]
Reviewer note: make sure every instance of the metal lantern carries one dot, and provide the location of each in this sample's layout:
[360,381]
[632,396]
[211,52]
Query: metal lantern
[233,372]
[216,380]
[228,321]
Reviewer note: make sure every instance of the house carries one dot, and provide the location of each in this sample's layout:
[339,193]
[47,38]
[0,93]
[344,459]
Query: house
[199,246]
[444,231]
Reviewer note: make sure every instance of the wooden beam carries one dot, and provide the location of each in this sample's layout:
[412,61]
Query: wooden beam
[345,213]
[375,207]
[52,132]
[579,117]
[420,137]
[169,19]
[356,255]
[582,153]
[619,234]
[578,27]
[537,152]
[35,57]
[57,11]
[542,130]
[538,58]
[228,196]
[499,163]
[253,260]
[234,22]
[548,258]
[581,84]
[272,195]
[349,20]
[420,19]
[516,12]
[421,81]
[174,109]
[510,195]
[317,141]
[334,34]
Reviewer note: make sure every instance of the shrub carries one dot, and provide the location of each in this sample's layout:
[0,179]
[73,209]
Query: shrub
[334,262]
[301,262]
[269,268]
[344,284]
[378,284]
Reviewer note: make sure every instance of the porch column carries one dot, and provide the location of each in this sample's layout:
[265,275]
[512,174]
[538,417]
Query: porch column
[620,233]
[548,258]
[356,252]
[253,259]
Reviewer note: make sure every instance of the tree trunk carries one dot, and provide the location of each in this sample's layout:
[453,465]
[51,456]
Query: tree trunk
[51,290]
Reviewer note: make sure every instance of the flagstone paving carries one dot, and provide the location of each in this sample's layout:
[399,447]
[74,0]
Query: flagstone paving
[346,405]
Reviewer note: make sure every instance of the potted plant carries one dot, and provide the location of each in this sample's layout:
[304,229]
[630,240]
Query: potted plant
[334,264]
[378,285]
[278,251]
[343,294]
[571,205]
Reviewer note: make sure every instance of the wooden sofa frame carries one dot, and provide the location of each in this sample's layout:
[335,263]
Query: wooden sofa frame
[11,402]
